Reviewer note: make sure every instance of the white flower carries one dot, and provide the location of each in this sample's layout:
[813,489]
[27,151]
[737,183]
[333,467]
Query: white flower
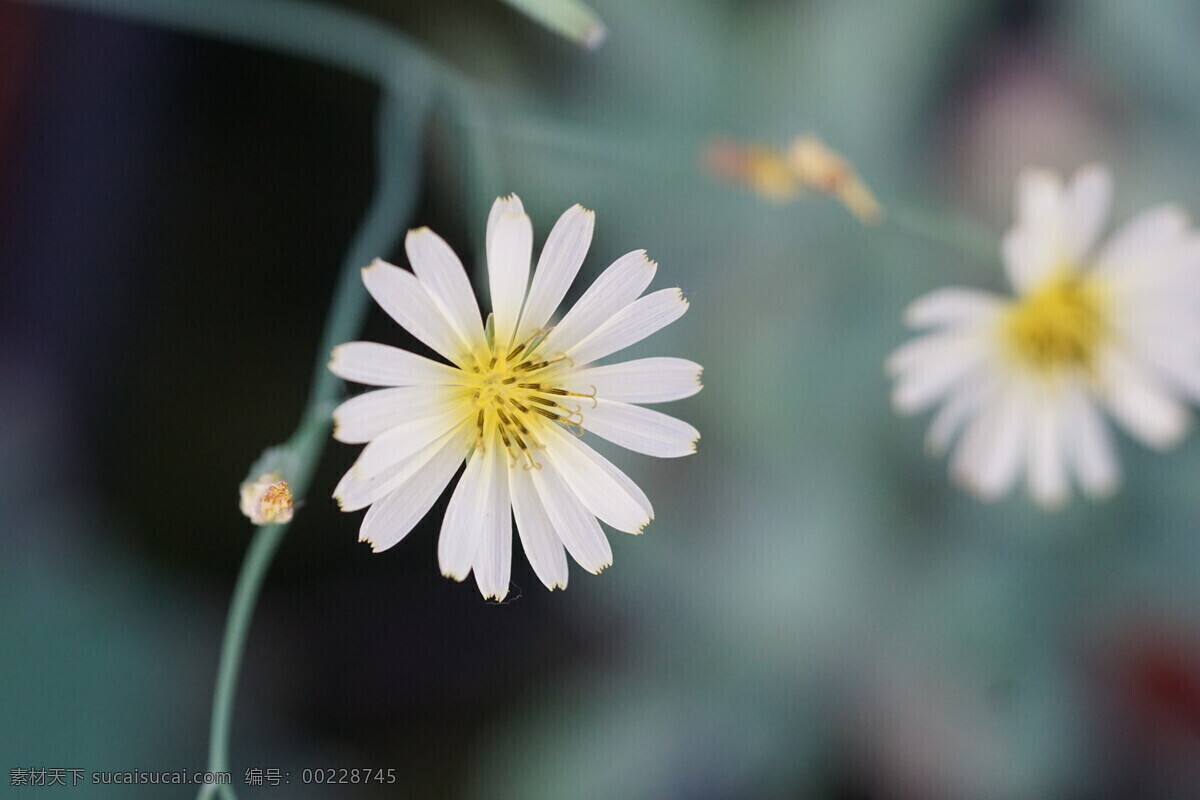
[1025,378]
[511,401]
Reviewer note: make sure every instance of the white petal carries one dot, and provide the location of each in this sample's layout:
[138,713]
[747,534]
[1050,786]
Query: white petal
[952,306]
[989,455]
[955,360]
[1155,292]
[509,204]
[573,523]
[1039,198]
[405,300]
[623,480]
[1144,409]
[1087,201]
[1148,238]
[1029,257]
[463,525]
[381,365]
[644,380]
[1162,331]
[1090,447]
[631,324]
[398,443]
[618,286]
[493,558]
[599,491]
[642,430]
[1179,366]
[390,520]
[354,491]
[1047,472]
[510,248]
[557,267]
[362,418]
[1034,247]
[960,406]
[443,276]
[542,546]
[955,347]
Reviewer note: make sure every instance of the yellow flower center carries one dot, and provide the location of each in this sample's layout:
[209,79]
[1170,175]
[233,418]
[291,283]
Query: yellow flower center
[517,392]
[1057,326]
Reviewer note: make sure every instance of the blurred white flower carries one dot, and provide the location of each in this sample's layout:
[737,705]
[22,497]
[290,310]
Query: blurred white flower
[1025,378]
[511,401]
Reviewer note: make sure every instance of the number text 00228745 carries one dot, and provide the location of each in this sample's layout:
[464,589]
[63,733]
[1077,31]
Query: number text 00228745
[344,775]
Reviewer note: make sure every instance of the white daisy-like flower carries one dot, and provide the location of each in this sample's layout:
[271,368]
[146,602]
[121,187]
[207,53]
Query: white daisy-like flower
[1091,328]
[512,402]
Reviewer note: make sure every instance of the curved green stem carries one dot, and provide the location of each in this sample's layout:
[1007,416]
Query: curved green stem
[945,230]
[408,76]
[254,568]
[399,136]
[327,34]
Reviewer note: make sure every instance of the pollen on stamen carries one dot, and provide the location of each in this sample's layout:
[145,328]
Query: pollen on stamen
[267,500]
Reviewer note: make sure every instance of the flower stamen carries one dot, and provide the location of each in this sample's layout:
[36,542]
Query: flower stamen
[1057,326]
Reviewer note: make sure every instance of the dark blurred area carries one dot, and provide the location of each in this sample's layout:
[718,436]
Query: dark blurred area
[819,620]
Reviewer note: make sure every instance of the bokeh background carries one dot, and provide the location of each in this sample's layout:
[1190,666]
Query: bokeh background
[816,612]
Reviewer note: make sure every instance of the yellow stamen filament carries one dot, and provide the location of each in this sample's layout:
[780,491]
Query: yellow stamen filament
[512,389]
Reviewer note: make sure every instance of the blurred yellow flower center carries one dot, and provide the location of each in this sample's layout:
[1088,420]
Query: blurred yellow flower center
[515,392]
[1059,325]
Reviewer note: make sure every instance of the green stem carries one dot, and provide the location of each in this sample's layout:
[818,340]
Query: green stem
[327,34]
[408,77]
[482,165]
[398,139]
[254,568]
[602,148]
[304,451]
[398,135]
[945,230]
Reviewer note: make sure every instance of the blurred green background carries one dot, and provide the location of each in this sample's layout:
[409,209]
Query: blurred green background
[815,612]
